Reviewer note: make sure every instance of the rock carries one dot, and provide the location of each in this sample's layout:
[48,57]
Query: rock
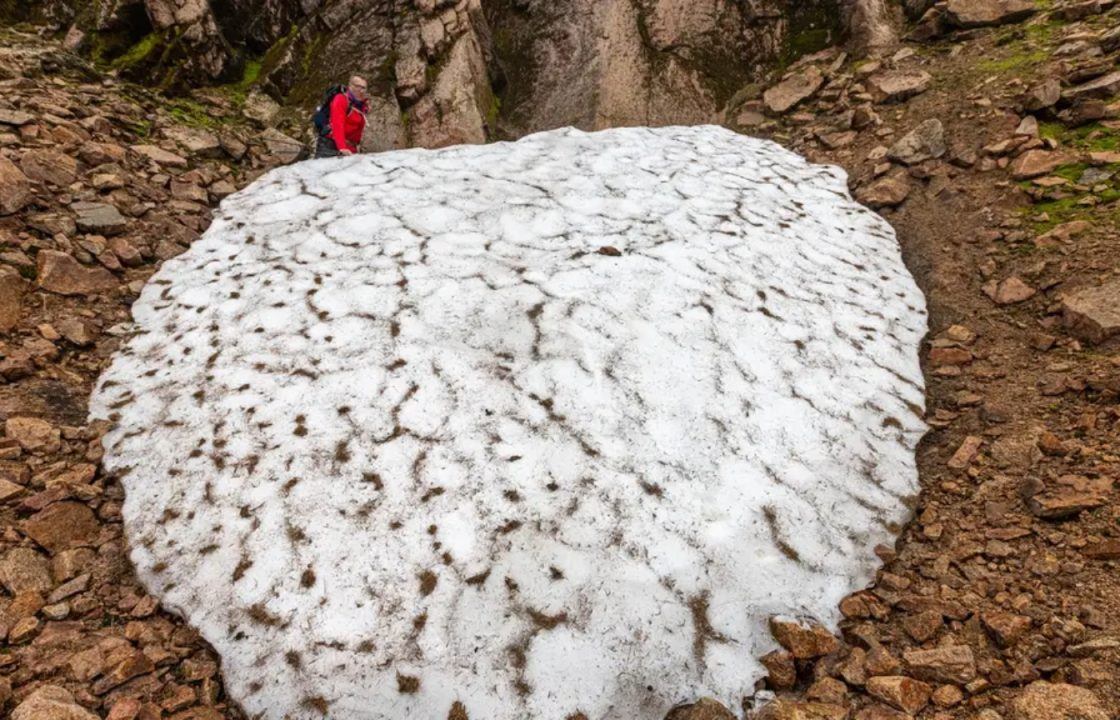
[189,192]
[1043,96]
[24,570]
[794,90]
[1092,314]
[1035,163]
[33,435]
[1065,503]
[15,188]
[51,702]
[24,629]
[260,107]
[1056,701]
[870,27]
[62,525]
[61,273]
[1005,628]
[946,664]
[160,156]
[137,663]
[950,356]
[966,453]
[924,625]
[1103,88]
[100,218]
[803,641]
[704,709]
[125,251]
[1105,550]
[1028,127]
[194,141]
[923,143]
[1009,291]
[791,710]
[898,85]
[15,118]
[49,166]
[901,692]
[781,669]
[889,191]
[881,712]
[12,288]
[985,13]
[78,331]
[279,147]
[947,696]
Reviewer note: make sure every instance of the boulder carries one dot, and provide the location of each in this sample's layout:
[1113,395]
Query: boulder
[1035,163]
[925,142]
[898,85]
[1044,95]
[62,525]
[889,191]
[1005,628]
[1056,701]
[704,709]
[870,30]
[280,148]
[1009,291]
[51,702]
[783,709]
[16,118]
[61,273]
[946,664]
[100,218]
[25,570]
[1102,88]
[899,691]
[33,435]
[15,188]
[49,166]
[194,141]
[160,156]
[794,90]
[985,13]
[260,107]
[1093,314]
[12,288]
[803,641]
[79,331]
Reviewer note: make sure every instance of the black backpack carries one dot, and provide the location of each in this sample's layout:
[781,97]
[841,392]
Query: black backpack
[322,117]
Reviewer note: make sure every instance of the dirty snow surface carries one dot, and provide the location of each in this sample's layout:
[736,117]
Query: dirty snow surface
[519,431]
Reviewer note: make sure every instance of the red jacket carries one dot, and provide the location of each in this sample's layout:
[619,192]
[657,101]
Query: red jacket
[348,121]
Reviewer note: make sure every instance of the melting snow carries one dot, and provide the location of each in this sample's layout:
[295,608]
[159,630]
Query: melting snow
[537,428]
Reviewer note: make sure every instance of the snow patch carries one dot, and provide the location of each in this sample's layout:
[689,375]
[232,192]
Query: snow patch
[539,428]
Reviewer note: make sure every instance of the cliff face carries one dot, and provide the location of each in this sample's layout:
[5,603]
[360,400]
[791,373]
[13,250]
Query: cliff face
[448,71]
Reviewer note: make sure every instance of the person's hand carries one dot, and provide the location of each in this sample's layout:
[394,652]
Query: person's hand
[345,152]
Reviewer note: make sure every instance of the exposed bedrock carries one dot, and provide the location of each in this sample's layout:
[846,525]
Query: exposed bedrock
[452,71]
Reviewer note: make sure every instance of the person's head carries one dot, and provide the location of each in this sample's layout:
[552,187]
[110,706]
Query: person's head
[359,87]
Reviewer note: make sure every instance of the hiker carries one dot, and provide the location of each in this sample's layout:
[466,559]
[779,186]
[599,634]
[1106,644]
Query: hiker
[341,119]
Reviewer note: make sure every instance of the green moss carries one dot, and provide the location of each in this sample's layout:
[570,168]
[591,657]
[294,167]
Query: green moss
[494,111]
[1016,61]
[250,74]
[1093,137]
[193,114]
[140,52]
[1071,172]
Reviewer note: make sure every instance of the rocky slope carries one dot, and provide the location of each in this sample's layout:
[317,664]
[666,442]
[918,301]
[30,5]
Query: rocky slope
[990,140]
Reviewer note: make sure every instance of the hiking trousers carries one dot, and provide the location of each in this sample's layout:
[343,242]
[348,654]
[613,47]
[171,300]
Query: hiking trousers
[325,148]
